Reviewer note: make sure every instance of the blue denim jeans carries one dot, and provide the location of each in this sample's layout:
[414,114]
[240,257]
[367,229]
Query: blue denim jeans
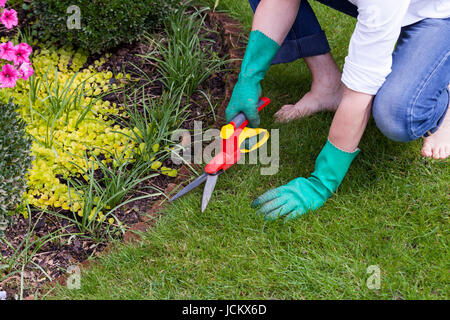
[415,97]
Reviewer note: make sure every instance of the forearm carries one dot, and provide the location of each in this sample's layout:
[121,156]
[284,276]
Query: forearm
[275,18]
[350,120]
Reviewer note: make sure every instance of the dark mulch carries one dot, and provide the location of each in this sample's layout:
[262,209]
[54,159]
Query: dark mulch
[56,257]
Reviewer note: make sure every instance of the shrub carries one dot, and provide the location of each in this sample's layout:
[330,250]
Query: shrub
[16,4]
[104,23]
[15,160]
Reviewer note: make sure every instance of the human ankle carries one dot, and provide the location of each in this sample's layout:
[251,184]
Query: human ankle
[326,86]
[324,72]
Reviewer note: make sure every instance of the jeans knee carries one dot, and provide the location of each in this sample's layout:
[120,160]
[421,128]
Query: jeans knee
[390,112]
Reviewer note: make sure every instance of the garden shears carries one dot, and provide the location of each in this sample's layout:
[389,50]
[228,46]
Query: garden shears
[232,135]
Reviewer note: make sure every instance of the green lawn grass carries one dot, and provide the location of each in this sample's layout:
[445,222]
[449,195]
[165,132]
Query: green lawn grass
[391,211]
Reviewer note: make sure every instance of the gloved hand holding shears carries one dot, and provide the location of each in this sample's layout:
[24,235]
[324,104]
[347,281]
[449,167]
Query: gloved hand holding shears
[247,91]
[233,137]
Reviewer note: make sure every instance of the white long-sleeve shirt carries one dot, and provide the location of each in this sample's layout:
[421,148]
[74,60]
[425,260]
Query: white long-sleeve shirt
[379,23]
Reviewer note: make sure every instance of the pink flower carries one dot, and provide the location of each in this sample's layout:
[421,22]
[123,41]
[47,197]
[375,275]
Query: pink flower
[21,53]
[2,3]
[25,46]
[8,76]
[26,70]
[7,51]
[9,18]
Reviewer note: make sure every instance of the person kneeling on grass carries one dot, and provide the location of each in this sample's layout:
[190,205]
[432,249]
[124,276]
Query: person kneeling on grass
[398,66]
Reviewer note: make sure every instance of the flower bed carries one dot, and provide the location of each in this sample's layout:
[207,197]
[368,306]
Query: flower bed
[99,126]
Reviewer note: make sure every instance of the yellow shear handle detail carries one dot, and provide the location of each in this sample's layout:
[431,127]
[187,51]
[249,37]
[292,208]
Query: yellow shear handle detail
[250,132]
[226,131]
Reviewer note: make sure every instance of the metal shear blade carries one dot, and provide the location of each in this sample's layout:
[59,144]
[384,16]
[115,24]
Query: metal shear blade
[198,181]
[209,188]
[210,179]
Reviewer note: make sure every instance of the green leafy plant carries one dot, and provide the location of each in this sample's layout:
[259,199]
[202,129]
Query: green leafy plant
[184,60]
[104,23]
[15,160]
[35,84]
[16,4]
[153,120]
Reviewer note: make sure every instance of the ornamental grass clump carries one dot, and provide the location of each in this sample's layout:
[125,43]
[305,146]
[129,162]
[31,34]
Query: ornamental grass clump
[186,59]
[153,121]
[15,160]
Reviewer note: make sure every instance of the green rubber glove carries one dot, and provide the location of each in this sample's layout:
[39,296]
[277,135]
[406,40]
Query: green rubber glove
[302,195]
[257,59]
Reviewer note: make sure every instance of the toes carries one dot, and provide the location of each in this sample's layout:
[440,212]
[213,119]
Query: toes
[279,117]
[446,152]
[283,114]
[426,151]
[443,154]
[436,153]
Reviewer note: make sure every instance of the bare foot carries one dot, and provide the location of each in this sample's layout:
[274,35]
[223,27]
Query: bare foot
[325,94]
[437,145]
[319,99]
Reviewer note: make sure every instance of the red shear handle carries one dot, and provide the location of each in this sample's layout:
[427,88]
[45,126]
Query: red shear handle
[230,150]
[240,121]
